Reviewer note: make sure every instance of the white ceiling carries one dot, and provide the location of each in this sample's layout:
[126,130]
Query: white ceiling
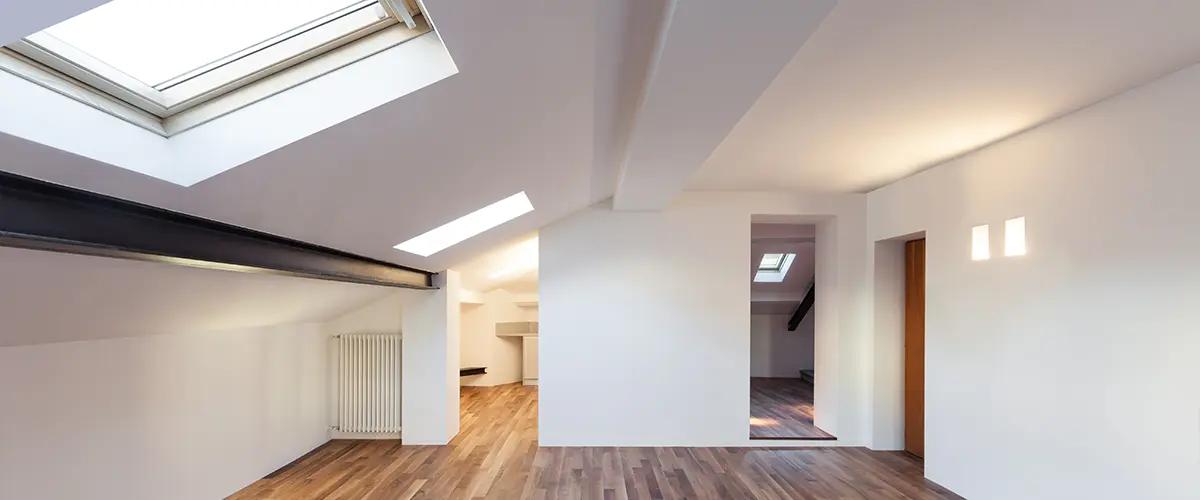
[52,297]
[518,116]
[887,87]
[512,266]
[550,98]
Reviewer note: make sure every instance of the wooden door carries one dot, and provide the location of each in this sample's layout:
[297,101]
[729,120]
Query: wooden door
[914,347]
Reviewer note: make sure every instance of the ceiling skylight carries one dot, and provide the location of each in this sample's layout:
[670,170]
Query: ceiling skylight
[771,261]
[154,41]
[163,58]
[468,225]
[773,267]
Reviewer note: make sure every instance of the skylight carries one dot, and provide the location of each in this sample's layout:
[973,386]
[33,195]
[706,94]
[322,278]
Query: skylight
[154,41]
[469,225]
[165,57]
[771,261]
[774,267]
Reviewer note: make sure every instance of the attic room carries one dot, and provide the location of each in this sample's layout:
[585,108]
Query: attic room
[404,249]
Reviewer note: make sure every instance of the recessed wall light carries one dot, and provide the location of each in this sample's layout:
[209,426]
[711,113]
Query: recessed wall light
[980,246]
[469,225]
[1014,237]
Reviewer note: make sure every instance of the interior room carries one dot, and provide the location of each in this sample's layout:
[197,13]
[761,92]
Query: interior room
[782,332]
[572,249]
[499,320]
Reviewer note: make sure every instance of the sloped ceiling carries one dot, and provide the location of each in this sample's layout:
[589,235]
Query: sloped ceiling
[50,297]
[888,87]
[512,266]
[550,94]
[519,116]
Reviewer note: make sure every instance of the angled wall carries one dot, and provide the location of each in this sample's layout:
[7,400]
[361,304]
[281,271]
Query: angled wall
[120,380]
[1069,372]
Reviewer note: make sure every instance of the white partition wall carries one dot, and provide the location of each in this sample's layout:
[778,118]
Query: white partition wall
[1071,371]
[644,321]
[430,407]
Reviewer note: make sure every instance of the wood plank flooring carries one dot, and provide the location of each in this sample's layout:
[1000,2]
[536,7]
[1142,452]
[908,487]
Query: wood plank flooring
[782,408]
[496,457]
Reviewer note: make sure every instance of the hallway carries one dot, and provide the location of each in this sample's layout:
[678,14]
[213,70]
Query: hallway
[496,456]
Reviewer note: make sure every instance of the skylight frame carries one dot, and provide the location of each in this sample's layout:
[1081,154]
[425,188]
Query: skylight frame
[326,44]
[777,262]
[775,275]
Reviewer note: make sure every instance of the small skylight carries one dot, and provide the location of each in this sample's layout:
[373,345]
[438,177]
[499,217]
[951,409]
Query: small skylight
[771,261]
[164,57]
[773,267]
[468,225]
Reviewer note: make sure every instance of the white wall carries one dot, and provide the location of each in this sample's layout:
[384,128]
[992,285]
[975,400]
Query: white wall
[120,379]
[645,321]
[1070,372]
[431,321]
[181,416]
[779,353]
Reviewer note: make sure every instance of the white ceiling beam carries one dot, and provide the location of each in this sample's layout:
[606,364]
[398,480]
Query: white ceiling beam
[713,60]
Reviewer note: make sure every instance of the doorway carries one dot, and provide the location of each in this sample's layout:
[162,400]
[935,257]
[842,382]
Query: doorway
[782,332]
[914,347]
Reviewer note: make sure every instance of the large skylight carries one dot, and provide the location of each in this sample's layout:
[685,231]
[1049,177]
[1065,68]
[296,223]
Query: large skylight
[151,61]
[154,41]
[468,225]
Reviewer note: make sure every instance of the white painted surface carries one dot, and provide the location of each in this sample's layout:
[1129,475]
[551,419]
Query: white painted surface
[779,353]
[181,416]
[50,297]
[1069,372]
[431,362]
[675,291]
[701,85]
[529,360]
[884,89]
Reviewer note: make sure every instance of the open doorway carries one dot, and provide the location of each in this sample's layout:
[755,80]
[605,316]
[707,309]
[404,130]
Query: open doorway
[498,337]
[782,332]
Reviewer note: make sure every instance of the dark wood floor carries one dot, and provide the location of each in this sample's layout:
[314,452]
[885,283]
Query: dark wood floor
[782,408]
[496,457]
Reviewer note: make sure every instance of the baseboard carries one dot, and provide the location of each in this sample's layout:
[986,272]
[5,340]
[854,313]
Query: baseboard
[531,381]
[336,434]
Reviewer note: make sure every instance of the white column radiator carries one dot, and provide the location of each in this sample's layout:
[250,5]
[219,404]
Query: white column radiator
[369,385]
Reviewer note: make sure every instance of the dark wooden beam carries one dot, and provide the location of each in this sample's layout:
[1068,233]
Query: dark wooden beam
[40,215]
[803,309]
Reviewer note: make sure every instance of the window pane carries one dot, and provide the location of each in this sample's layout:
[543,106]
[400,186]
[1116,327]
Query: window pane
[156,40]
[771,261]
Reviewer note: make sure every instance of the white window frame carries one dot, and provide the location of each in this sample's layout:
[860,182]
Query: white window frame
[763,266]
[221,87]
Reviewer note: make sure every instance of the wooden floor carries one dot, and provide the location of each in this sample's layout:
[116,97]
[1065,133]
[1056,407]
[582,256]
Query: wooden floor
[496,457]
[782,408]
